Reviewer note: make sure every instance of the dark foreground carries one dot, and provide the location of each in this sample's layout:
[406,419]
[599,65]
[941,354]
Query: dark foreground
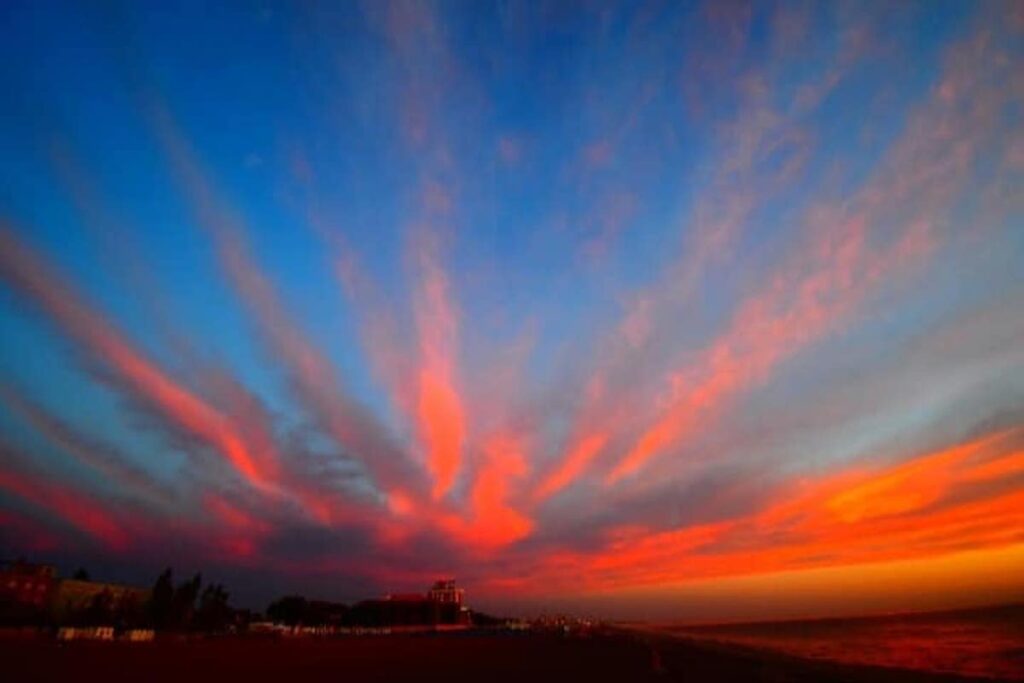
[483,658]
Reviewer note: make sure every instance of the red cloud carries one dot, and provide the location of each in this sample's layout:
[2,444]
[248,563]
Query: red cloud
[146,382]
[72,508]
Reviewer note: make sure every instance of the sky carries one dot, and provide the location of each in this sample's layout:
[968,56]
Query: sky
[647,310]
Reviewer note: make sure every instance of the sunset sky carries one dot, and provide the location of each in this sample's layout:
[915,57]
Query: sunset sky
[648,310]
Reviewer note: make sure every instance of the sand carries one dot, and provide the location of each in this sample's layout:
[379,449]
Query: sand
[613,655]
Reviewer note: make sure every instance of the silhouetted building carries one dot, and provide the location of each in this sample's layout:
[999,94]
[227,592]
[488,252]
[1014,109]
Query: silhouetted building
[27,586]
[445,591]
[32,593]
[441,606]
[73,596]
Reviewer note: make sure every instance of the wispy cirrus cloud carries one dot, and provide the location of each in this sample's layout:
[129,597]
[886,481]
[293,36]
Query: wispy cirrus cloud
[825,284]
[142,379]
[69,506]
[314,378]
[765,148]
[126,476]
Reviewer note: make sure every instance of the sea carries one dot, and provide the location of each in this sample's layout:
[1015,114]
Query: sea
[984,642]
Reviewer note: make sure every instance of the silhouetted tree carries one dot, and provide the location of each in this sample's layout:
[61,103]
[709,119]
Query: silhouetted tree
[100,611]
[80,574]
[184,602]
[161,602]
[323,613]
[295,609]
[290,610]
[482,619]
[213,613]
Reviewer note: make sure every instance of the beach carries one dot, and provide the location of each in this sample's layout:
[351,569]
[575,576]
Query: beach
[985,642]
[612,654]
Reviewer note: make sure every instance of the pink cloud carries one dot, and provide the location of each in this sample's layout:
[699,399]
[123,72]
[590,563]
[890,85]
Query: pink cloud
[70,507]
[147,382]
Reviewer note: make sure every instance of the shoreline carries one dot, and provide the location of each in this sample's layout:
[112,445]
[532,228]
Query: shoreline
[694,655]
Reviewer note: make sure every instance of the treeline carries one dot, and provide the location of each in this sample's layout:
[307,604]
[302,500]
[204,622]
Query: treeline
[185,606]
[295,610]
[189,606]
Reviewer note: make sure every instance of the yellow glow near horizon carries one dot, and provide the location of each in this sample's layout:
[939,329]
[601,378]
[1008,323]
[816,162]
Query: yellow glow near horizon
[961,579]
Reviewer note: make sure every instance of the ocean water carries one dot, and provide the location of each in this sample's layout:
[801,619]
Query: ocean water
[985,642]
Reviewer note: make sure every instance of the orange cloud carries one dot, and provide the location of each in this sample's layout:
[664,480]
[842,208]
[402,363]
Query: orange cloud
[496,523]
[577,459]
[491,522]
[439,409]
[963,496]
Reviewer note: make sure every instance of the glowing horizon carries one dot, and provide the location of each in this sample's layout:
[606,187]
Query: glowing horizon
[605,307]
